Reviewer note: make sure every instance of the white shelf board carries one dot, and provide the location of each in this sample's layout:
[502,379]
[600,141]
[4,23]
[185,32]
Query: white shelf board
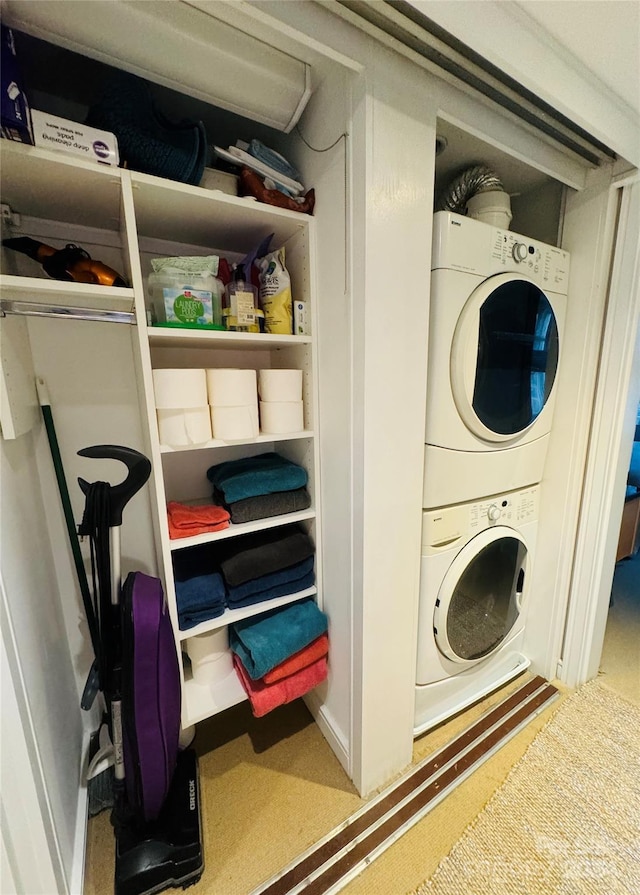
[68,295]
[241,528]
[56,185]
[190,214]
[162,337]
[218,443]
[229,616]
[203,700]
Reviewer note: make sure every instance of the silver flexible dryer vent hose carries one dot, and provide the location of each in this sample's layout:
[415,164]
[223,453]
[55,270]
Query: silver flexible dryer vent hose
[477,179]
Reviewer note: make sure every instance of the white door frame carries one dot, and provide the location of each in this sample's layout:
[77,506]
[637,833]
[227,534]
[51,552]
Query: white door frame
[611,436]
[31,860]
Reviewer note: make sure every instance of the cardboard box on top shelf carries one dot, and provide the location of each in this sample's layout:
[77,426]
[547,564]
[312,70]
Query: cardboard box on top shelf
[14,108]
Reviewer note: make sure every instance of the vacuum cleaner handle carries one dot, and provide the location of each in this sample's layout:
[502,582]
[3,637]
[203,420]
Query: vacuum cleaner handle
[139,471]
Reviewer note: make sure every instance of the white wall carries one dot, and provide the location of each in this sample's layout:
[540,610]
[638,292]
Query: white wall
[88,368]
[323,123]
[43,657]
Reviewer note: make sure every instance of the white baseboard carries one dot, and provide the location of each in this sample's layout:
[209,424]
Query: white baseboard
[76,885]
[329,730]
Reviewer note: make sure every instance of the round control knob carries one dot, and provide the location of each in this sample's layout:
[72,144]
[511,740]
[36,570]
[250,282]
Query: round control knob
[520,251]
[493,513]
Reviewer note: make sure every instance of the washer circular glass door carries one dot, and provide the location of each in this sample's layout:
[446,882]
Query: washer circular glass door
[480,598]
[504,357]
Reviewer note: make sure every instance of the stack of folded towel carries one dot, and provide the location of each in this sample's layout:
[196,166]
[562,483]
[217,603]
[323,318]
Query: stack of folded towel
[255,487]
[267,564]
[281,654]
[200,588]
[241,571]
[185,521]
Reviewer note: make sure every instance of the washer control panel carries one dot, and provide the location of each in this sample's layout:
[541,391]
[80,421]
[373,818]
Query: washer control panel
[449,527]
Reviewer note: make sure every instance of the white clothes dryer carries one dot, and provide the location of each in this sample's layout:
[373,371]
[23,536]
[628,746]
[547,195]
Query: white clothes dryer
[475,579]
[498,302]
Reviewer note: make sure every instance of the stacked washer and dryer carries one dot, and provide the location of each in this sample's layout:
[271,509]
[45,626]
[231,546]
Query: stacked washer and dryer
[498,304]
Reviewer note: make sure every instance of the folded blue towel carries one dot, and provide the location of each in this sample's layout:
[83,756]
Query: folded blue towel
[190,619]
[264,641]
[277,590]
[272,158]
[250,476]
[275,579]
[199,598]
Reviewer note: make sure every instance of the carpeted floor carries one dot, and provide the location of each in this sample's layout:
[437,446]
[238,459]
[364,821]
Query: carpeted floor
[566,820]
[620,662]
[272,787]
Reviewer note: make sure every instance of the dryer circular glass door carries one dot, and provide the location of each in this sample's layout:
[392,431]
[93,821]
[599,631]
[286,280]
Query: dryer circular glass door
[504,357]
[480,599]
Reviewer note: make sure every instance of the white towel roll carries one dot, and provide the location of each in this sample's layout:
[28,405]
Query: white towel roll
[210,655]
[228,387]
[280,385]
[184,426]
[235,423]
[281,417]
[179,388]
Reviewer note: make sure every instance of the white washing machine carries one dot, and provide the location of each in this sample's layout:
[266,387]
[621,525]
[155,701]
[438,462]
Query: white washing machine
[498,303]
[475,578]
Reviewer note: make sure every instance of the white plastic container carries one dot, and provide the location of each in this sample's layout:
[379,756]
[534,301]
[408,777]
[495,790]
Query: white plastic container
[185,291]
[492,207]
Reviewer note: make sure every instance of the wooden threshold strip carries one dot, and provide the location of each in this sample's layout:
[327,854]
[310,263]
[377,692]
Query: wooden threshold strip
[336,858]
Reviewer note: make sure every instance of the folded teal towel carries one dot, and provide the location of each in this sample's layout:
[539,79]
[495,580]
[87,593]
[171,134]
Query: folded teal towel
[264,641]
[250,476]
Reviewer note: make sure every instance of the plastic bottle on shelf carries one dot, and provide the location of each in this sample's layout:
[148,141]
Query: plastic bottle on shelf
[240,310]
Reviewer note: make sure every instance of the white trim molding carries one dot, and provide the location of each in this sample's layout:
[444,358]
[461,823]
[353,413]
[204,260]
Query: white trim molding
[616,401]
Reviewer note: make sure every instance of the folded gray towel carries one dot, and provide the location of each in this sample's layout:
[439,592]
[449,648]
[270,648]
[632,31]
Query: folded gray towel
[263,505]
[263,552]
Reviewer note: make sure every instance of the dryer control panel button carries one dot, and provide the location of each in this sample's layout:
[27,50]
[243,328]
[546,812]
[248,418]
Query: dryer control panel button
[520,251]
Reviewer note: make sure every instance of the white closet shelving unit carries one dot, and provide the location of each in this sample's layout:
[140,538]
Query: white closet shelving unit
[151,217]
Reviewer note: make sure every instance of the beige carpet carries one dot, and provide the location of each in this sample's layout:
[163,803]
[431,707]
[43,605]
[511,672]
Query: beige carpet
[567,818]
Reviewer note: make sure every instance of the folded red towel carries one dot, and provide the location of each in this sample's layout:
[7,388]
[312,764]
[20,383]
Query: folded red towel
[306,656]
[266,697]
[185,521]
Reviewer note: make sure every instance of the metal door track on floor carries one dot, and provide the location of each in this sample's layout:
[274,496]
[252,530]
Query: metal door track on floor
[336,859]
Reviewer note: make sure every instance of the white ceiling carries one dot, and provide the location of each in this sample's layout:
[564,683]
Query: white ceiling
[603,34]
